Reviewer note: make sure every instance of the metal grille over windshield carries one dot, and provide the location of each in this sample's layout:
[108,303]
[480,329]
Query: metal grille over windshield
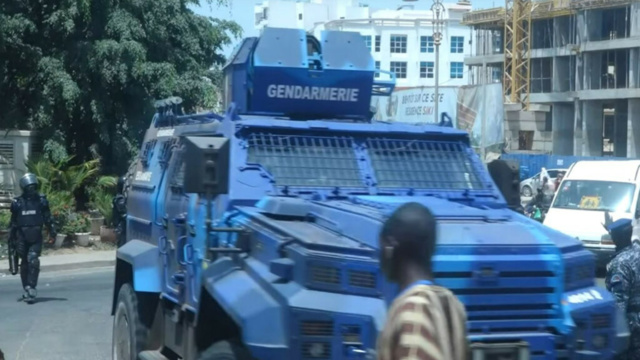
[306,161]
[421,164]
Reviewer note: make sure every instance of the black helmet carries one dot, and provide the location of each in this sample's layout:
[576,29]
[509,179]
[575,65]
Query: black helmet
[29,184]
[121,181]
[28,179]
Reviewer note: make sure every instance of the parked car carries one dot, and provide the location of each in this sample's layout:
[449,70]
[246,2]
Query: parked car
[528,186]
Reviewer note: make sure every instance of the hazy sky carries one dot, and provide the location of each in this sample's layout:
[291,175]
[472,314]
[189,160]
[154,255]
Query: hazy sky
[241,11]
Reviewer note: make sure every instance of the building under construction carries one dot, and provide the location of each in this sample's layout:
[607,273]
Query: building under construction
[572,64]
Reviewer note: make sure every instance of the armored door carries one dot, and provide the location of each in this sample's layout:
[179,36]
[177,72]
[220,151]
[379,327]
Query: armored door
[175,225]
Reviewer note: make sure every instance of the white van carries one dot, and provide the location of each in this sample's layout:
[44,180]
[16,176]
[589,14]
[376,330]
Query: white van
[588,190]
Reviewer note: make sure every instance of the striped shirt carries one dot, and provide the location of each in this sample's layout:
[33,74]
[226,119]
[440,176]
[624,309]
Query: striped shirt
[426,322]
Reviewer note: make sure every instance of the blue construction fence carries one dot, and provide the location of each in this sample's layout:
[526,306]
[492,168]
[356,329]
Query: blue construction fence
[531,164]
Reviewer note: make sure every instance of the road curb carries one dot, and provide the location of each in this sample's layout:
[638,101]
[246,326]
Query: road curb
[71,266]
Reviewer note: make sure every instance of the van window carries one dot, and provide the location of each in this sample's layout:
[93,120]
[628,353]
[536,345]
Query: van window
[595,195]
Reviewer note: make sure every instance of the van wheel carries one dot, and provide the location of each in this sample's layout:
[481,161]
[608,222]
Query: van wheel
[130,334]
[526,191]
[226,350]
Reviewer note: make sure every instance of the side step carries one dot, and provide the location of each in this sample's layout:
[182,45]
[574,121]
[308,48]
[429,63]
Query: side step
[152,355]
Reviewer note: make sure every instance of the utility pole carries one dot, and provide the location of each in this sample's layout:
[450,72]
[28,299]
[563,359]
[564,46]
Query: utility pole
[437,9]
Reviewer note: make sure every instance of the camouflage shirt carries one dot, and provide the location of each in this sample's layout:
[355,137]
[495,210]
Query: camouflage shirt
[623,281]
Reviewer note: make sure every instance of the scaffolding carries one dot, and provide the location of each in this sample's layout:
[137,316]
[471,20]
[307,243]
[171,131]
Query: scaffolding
[517,45]
[598,4]
[544,9]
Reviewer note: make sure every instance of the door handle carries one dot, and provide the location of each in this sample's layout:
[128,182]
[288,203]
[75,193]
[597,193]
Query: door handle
[187,253]
[180,241]
[178,278]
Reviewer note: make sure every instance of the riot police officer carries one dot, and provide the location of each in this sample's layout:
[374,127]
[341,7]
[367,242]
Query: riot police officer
[119,213]
[29,212]
[623,280]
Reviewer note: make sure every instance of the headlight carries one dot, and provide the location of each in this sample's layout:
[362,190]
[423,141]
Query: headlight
[317,350]
[599,341]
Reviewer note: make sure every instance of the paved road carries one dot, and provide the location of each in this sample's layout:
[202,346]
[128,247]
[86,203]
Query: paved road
[71,321]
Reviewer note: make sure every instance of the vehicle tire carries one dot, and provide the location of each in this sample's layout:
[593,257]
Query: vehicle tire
[226,350]
[526,191]
[130,334]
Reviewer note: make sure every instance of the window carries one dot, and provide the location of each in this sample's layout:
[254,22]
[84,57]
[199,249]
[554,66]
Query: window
[6,153]
[367,41]
[299,16]
[378,41]
[177,178]
[457,70]
[457,44]
[377,68]
[426,44]
[426,69]
[399,68]
[398,44]
[595,195]
[525,140]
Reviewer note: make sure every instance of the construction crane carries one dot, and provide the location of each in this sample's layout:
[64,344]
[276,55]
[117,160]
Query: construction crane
[517,47]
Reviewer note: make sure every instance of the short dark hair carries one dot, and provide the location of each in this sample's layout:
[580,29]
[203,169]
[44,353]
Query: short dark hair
[413,226]
[1,355]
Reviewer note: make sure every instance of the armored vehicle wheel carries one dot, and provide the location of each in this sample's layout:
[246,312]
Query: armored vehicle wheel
[226,350]
[130,335]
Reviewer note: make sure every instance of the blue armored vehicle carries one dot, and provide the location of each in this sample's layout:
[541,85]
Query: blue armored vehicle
[253,233]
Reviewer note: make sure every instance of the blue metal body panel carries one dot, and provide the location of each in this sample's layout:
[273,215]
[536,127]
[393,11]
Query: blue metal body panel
[313,194]
[144,258]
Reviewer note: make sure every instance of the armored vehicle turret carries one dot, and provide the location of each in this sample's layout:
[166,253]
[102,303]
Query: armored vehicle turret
[253,233]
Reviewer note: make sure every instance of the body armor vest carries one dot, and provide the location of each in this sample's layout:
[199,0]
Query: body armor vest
[30,214]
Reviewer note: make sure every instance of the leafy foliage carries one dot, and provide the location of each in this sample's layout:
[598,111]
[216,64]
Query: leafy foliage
[85,72]
[5,218]
[77,223]
[61,182]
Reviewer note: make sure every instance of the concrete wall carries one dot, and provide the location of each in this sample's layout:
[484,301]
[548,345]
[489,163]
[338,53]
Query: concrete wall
[16,148]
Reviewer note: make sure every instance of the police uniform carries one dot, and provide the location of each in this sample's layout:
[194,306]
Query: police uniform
[29,212]
[623,281]
[119,214]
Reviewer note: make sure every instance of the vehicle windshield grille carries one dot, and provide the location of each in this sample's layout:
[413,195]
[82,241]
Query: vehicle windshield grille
[305,160]
[421,164]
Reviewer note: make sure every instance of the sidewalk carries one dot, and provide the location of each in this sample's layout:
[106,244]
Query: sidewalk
[86,260]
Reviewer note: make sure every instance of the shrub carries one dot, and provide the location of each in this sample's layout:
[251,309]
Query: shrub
[5,218]
[77,223]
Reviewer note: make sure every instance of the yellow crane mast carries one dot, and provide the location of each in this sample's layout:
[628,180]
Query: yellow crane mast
[517,47]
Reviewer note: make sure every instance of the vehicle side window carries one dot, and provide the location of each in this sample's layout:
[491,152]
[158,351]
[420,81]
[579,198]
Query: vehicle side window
[553,173]
[177,178]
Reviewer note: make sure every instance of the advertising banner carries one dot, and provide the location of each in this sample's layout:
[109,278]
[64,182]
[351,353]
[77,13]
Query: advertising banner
[480,109]
[416,105]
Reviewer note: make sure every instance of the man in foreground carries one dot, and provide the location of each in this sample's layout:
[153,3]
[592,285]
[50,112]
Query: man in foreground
[425,321]
[29,212]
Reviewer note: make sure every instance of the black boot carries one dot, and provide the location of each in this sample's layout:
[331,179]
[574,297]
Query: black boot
[31,294]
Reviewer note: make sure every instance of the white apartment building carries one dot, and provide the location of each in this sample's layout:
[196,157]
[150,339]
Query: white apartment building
[400,40]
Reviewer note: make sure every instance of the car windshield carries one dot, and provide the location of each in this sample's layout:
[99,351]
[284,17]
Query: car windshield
[595,195]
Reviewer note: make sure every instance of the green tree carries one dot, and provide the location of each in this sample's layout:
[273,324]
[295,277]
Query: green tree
[85,72]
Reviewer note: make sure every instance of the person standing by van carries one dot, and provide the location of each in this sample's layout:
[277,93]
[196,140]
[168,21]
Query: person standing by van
[623,280]
[425,321]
